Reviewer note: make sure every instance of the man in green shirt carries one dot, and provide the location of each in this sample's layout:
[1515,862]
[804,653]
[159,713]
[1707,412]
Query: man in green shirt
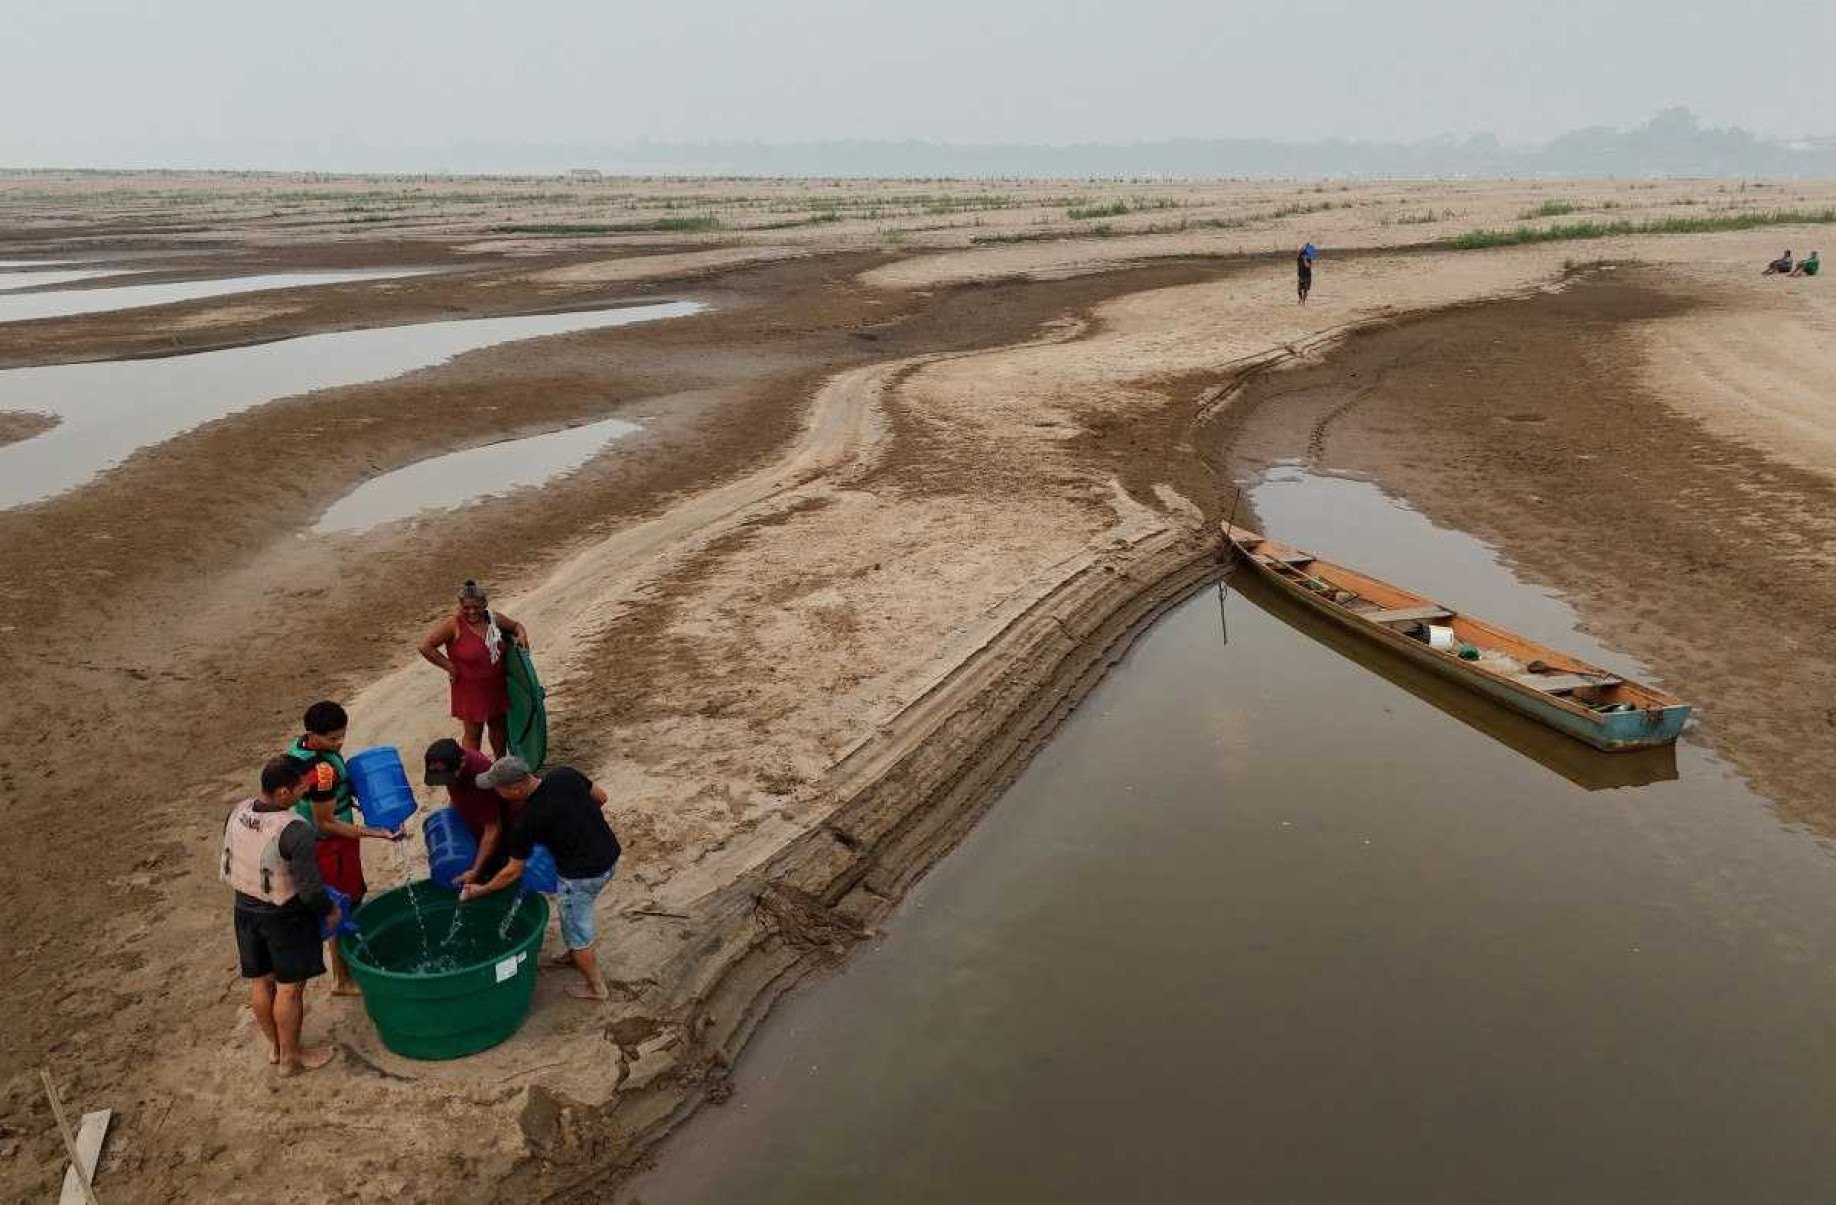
[1807,266]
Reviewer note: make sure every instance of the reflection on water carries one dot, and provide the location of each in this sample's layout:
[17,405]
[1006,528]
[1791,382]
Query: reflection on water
[1328,512]
[1259,925]
[445,482]
[1579,763]
[111,409]
[19,307]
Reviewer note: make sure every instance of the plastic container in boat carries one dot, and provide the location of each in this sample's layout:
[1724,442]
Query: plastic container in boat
[451,849]
[1439,637]
[476,998]
[381,786]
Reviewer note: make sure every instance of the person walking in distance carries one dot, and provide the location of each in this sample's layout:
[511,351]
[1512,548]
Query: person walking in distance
[268,858]
[1303,265]
[561,810]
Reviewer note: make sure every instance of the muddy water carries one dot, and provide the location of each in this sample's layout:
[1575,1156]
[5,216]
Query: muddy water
[62,303]
[1263,924]
[446,482]
[111,409]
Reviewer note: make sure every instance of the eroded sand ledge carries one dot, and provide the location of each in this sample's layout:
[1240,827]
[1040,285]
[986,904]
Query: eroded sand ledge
[907,797]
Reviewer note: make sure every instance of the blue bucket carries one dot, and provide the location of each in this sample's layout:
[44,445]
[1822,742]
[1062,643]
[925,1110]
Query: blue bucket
[451,849]
[539,873]
[381,786]
[347,924]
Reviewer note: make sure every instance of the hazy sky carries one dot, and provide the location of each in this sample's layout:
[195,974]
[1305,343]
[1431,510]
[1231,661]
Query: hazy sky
[215,83]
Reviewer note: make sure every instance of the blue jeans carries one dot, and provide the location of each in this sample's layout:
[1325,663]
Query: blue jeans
[576,898]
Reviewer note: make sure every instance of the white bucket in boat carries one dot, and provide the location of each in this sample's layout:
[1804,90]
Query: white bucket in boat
[1441,637]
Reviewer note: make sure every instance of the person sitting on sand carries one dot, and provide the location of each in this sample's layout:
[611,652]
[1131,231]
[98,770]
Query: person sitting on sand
[469,646]
[269,858]
[328,805]
[1808,266]
[561,810]
[1780,266]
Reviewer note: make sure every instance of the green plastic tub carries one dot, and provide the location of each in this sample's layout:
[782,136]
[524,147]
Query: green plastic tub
[439,991]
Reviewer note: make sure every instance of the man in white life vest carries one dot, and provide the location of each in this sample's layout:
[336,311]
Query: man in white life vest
[268,856]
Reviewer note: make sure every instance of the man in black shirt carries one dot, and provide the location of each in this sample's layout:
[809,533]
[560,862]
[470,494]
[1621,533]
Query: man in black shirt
[561,810]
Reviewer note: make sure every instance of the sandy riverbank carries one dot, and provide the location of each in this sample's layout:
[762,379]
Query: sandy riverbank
[892,512]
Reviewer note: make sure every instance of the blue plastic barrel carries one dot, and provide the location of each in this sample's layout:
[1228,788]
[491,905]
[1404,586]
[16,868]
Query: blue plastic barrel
[451,849]
[346,922]
[539,873]
[381,786]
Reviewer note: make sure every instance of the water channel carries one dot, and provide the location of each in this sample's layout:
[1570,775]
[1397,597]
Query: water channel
[1260,923]
[108,410]
[460,478]
[11,280]
[64,303]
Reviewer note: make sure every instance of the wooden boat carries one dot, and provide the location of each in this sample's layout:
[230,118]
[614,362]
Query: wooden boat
[1582,700]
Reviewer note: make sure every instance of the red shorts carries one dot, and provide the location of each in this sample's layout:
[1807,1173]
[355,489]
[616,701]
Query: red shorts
[341,864]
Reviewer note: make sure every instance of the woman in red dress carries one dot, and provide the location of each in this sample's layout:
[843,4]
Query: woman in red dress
[469,646]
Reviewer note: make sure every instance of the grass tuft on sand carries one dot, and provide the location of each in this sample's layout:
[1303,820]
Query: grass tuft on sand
[1548,209]
[695,224]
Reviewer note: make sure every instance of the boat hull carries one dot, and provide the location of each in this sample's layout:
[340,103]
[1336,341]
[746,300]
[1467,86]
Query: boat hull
[1611,733]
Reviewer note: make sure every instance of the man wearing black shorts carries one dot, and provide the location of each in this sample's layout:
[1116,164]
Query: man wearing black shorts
[269,857]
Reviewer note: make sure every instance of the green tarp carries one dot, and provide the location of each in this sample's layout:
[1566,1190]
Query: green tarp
[528,712]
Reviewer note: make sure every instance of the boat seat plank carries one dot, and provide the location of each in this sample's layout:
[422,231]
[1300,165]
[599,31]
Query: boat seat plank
[1408,615]
[1295,558]
[1561,684]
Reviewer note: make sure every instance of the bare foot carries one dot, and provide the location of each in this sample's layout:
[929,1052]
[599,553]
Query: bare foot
[346,989]
[311,1059]
[581,991]
[273,1054]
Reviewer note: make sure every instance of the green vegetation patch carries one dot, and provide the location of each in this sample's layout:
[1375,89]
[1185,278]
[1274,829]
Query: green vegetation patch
[1474,240]
[695,224]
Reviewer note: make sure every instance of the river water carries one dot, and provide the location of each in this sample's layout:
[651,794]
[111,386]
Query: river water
[65,303]
[1262,924]
[461,478]
[111,409]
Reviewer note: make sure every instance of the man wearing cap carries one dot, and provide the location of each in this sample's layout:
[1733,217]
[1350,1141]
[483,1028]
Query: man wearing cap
[453,766]
[561,810]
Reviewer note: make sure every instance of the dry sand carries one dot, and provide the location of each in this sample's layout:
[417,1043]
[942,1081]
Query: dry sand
[901,497]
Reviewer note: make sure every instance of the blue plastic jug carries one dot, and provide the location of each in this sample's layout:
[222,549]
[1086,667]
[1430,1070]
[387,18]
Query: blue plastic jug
[347,924]
[451,849]
[539,873]
[381,786]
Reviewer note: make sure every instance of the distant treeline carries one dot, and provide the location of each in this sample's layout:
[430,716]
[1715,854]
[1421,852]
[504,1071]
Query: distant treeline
[1674,143]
